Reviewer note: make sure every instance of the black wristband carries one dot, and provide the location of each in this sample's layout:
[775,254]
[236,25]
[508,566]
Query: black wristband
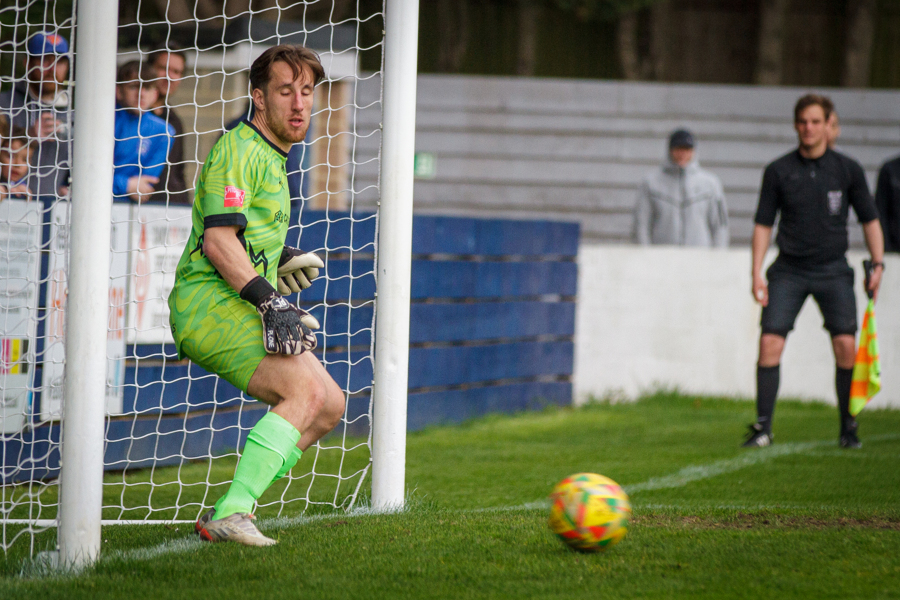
[878,264]
[256,290]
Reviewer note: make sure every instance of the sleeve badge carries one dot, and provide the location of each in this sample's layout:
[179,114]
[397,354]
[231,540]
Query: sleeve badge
[234,196]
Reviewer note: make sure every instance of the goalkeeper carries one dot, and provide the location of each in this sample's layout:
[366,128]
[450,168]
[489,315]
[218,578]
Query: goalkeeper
[226,314]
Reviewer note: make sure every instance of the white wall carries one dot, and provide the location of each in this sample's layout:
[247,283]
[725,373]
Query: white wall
[679,317]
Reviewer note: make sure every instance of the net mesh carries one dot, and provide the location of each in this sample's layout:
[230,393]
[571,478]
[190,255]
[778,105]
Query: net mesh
[173,431]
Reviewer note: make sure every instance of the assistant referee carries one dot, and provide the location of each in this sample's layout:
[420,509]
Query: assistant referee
[812,188]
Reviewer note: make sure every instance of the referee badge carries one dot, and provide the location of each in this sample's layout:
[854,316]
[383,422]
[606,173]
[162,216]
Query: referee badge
[835,199]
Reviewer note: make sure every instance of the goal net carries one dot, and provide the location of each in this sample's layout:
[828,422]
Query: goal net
[173,432]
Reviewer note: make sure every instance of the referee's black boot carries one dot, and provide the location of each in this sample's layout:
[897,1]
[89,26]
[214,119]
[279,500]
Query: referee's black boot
[849,439]
[759,436]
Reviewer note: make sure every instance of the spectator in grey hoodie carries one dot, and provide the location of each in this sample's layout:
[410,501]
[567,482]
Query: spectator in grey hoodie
[680,203]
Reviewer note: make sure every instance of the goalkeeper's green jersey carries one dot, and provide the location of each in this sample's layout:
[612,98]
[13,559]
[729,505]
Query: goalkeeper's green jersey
[243,182]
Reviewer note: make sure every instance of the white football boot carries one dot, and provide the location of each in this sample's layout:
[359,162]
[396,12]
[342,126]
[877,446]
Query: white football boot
[238,528]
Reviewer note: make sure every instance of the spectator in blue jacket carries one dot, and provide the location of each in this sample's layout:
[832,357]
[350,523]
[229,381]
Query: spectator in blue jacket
[142,139]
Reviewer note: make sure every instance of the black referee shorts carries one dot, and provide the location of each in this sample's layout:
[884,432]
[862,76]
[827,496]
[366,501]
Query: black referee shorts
[831,285]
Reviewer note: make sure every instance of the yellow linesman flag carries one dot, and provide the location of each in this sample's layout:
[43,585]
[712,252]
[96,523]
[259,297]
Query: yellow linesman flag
[867,369]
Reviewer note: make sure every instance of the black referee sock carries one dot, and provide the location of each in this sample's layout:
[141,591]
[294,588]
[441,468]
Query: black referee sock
[843,378]
[767,379]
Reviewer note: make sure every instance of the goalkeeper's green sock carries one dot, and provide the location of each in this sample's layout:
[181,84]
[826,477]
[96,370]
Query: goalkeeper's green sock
[289,463]
[269,447]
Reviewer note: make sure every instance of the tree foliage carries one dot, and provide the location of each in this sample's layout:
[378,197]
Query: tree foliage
[607,10]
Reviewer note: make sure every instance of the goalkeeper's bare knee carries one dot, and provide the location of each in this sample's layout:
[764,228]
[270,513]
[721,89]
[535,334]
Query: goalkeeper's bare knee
[296,385]
[333,409]
[307,394]
[323,398]
[312,388]
[325,421]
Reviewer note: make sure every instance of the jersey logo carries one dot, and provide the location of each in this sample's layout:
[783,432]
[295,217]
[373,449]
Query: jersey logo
[198,247]
[257,259]
[234,196]
[835,199]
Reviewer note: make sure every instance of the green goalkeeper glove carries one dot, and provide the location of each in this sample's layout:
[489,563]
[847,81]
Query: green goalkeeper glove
[297,269]
[286,328]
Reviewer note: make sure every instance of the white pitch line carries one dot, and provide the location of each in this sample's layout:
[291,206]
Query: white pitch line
[751,458]
[543,503]
[694,473]
[176,546]
[192,542]
[679,479]
[720,467]
[44,564]
[283,522]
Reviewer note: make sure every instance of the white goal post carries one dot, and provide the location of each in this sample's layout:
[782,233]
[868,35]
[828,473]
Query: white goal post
[81,478]
[395,250]
[103,424]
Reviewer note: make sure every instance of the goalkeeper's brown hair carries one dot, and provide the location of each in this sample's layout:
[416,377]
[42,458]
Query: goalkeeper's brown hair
[813,100]
[295,56]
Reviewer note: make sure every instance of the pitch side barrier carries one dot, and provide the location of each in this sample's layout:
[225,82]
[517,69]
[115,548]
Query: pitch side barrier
[491,330]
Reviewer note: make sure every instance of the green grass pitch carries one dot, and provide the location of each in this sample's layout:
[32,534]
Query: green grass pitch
[800,519]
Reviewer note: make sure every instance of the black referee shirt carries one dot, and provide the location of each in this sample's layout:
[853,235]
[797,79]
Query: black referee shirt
[887,199]
[814,198]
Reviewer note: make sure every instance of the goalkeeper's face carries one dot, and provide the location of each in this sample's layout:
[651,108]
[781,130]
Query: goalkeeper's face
[287,103]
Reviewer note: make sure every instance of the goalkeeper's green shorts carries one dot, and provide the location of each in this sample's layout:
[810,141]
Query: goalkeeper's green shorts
[227,340]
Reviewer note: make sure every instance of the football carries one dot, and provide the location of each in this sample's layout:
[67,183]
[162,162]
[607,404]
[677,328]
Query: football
[589,512]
